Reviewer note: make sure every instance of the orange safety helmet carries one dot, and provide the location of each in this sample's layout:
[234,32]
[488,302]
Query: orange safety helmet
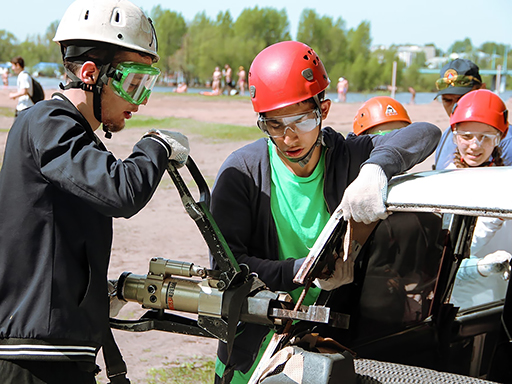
[378,110]
[481,106]
[284,74]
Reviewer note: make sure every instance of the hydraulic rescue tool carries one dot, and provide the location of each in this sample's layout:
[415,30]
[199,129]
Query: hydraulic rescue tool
[221,297]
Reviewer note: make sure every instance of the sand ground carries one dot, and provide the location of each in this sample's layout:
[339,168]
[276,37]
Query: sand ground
[164,229]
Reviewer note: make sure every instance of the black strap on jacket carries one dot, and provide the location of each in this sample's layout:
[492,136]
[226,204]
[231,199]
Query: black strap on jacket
[116,367]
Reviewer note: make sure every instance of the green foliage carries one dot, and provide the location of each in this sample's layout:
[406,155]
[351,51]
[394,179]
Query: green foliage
[7,45]
[462,46]
[193,49]
[328,38]
[170,28]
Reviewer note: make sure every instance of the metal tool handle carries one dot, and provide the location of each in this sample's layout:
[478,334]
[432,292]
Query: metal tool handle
[200,213]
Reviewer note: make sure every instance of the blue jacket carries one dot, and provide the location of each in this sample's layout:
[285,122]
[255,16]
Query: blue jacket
[241,203]
[59,189]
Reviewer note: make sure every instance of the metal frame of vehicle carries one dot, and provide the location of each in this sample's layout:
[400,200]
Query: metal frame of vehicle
[449,340]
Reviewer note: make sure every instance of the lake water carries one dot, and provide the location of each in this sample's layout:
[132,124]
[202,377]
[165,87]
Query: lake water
[352,97]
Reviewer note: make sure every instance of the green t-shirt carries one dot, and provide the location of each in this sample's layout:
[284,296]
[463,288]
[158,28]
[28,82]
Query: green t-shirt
[299,211]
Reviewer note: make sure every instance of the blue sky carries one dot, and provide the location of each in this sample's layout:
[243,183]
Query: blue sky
[392,22]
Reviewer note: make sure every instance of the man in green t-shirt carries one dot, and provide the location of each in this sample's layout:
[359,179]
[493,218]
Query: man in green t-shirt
[273,197]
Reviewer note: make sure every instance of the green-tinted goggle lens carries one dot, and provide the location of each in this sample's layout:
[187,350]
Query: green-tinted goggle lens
[456,81]
[134,81]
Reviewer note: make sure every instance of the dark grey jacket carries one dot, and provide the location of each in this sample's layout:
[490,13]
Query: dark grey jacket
[241,202]
[59,189]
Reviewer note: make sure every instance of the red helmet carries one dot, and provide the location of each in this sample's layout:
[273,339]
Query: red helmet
[481,106]
[284,74]
[378,110]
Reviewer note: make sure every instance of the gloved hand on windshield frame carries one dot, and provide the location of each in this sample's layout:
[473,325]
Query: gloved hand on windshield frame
[364,198]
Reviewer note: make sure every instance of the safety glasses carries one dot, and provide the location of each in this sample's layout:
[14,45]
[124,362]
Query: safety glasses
[456,81]
[134,81]
[481,139]
[276,126]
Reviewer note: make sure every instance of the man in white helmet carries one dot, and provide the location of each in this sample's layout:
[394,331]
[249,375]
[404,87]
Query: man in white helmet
[60,188]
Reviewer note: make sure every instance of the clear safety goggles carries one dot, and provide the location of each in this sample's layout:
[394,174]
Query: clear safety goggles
[456,81]
[134,81]
[276,126]
[481,139]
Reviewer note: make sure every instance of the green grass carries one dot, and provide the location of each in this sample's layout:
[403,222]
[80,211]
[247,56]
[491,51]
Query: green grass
[7,112]
[196,371]
[210,131]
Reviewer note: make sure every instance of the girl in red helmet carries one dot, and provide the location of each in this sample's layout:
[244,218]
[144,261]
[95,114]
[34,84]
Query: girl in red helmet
[273,197]
[479,121]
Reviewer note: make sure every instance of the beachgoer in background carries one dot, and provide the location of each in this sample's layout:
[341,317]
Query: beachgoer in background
[5,77]
[268,198]
[181,88]
[342,88]
[459,77]
[24,85]
[216,79]
[479,122]
[228,79]
[241,80]
[412,91]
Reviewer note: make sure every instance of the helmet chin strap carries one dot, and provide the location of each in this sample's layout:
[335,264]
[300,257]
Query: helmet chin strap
[105,71]
[304,160]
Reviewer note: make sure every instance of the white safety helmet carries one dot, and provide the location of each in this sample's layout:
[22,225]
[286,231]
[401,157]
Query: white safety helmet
[116,22]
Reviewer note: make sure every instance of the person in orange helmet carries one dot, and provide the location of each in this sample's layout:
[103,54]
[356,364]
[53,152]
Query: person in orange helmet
[273,197]
[479,122]
[380,115]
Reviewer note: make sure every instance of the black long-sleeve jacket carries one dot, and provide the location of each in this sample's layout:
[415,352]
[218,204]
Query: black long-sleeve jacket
[59,189]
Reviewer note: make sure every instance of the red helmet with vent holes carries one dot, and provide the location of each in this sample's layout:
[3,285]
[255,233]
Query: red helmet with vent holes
[481,106]
[284,74]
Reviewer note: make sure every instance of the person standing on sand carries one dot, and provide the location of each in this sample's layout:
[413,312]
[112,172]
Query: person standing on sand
[241,80]
[24,85]
[228,79]
[342,88]
[60,188]
[272,198]
[216,78]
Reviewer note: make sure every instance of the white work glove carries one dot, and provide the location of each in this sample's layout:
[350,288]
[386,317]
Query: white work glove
[494,263]
[343,274]
[177,141]
[115,303]
[364,197]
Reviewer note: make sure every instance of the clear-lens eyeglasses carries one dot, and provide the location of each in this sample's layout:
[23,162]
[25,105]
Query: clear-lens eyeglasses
[276,126]
[481,139]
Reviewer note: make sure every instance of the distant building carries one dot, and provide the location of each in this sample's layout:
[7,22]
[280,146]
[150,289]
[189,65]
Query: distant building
[407,53]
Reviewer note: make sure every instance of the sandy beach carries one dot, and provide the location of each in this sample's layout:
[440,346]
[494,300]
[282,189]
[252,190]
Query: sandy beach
[164,229]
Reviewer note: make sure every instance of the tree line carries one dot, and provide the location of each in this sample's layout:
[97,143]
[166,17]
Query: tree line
[194,48]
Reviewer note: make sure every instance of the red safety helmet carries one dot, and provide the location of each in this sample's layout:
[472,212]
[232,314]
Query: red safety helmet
[481,106]
[284,74]
[378,110]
